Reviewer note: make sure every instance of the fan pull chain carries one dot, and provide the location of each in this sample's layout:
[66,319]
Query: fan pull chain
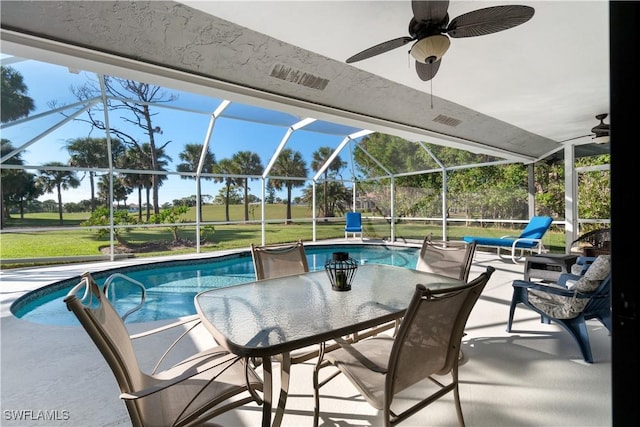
[431,83]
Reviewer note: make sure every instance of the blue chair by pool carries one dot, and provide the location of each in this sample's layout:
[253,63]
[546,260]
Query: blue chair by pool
[353,225]
[529,240]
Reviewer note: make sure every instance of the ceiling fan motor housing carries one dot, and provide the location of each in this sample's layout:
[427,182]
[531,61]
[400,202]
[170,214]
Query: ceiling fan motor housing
[602,129]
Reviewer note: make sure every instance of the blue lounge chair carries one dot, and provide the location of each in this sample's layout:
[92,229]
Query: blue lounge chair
[353,225]
[529,240]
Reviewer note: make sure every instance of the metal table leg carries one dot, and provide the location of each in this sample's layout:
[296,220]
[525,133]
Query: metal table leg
[267,392]
[285,373]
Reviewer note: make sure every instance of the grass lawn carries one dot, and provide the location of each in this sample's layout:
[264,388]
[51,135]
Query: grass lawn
[74,242]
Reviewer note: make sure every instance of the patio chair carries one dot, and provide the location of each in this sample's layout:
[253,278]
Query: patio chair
[572,301]
[529,240]
[187,393]
[451,259]
[279,260]
[426,346]
[282,260]
[353,224]
[593,243]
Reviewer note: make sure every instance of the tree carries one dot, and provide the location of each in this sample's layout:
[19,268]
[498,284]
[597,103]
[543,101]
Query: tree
[134,98]
[320,157]
[139,157]
[93,153]
[288,164]
[172,215]
[190,157]
[133,160]
[51,180]
[396,154]
[120,190]
[247,163]
[25,191]
[232,196]
[17,186]
[8,178]
[594,190]
[15,102]
[102,217]
[270,193]
[338,198]
[227,167]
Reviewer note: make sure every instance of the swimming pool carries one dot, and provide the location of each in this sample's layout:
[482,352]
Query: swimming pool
[172,285]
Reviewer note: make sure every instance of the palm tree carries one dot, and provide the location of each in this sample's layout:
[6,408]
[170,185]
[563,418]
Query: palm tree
[320,157]
[139,157]
[92,153]
[226,166]
[15,102]
[289,164]
[133,160]
[153,159]
[57,180]
[190,157]
[120,190]
[247,163]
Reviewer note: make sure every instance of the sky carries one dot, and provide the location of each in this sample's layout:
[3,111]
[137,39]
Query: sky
[50,85]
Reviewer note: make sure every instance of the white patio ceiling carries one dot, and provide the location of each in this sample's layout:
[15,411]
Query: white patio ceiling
[530,88]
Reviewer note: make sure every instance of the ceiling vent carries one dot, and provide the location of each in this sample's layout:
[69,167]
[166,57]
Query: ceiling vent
[301,78]
[446,120]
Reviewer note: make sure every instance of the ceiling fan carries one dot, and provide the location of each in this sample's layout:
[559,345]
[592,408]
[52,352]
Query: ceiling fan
[431,29]
[603,128]
[601,131]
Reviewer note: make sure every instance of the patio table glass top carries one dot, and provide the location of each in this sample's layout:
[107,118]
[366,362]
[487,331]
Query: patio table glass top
[273,316]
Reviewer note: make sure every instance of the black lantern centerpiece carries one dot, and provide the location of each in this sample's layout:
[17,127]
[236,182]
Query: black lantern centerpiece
[341,269]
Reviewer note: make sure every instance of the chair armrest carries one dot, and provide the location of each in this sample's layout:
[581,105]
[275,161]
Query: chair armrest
[167,327]
[585,262]
[565,277]
[526,240]
[550,288]
[163,384]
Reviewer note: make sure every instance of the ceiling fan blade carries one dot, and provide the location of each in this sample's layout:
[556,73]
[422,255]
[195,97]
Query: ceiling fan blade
[434,11]
[489,20]
[427,71]
[380,48]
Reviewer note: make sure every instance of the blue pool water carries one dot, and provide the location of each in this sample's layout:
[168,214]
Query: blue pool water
[172,285]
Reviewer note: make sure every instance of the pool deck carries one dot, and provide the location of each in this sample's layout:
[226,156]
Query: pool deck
[534,376]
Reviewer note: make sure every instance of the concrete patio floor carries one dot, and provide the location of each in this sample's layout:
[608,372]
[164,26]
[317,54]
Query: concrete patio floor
[534,376]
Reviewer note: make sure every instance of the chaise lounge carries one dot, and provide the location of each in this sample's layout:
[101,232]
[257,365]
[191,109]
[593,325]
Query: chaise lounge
[529,240]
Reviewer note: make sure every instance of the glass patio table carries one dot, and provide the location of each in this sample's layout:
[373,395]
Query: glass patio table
[272,317]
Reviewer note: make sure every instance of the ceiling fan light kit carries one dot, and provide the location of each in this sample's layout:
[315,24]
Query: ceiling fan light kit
[430,49]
